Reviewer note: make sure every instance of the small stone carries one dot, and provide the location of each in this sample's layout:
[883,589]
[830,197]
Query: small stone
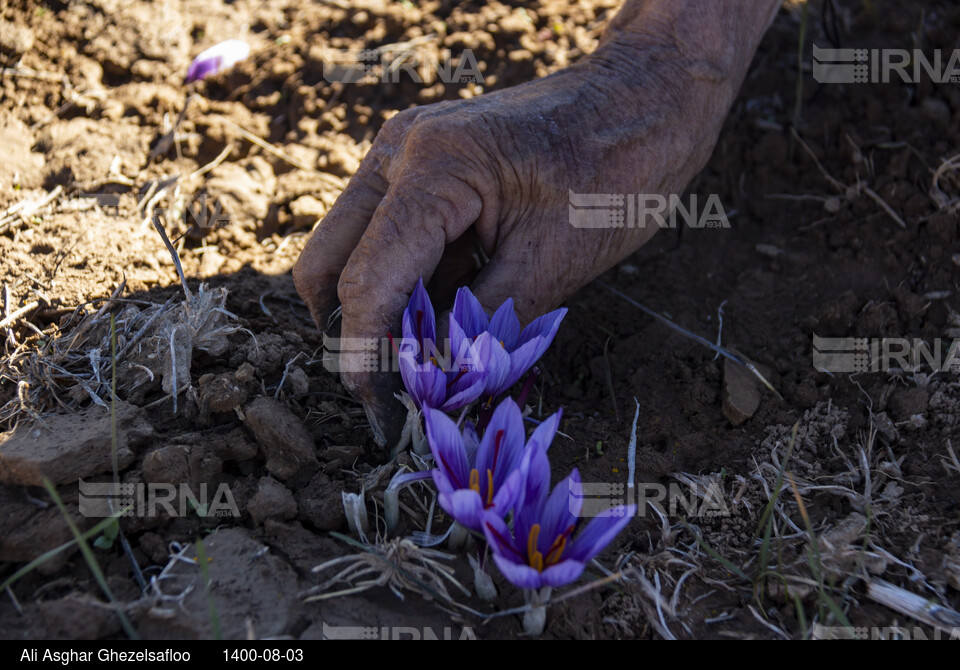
[345,454]
[221,393]
[741,397]
[272,500]
[181,464]
[245,373]
[298,381]
[286,443]
[32,452]
[234,446]
[321,503]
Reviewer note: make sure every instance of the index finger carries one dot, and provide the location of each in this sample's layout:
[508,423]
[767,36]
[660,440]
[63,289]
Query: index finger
[404,242]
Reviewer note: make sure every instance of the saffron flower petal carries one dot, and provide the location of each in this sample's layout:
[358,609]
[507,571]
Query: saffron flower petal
[506,495]
[545,326]
[425,382]
[520,575]
[468,312]
[555,518]
[505,326]
[465,506]
[600,532]
[562,573]
[544,433]
[449,451]
[466,377]
[217,58]
[533,342]
[501,447]
[523,347]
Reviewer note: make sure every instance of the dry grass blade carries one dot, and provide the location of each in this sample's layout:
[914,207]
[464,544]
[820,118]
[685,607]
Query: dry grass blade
[922,609]
[399,564]
[937,194]
[26,309]
[883,203]
[842,188]
[23,210]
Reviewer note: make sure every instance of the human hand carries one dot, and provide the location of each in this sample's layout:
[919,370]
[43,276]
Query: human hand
[639,115]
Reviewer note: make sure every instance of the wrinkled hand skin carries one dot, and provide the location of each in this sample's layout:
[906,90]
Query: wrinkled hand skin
[639,115]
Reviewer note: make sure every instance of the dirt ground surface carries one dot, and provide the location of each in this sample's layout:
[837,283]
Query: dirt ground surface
[843,224]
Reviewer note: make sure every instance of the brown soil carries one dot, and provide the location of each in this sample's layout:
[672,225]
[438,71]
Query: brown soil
[90,103]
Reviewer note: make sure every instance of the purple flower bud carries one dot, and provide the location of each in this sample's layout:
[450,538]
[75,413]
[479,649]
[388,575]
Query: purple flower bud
[217,58]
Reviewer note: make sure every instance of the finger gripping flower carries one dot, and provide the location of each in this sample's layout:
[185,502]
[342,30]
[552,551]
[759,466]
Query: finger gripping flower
[545,549]
[517,351]
[481,479]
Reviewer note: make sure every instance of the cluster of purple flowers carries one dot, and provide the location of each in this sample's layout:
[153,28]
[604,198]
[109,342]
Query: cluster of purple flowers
[485,356]
[497,484]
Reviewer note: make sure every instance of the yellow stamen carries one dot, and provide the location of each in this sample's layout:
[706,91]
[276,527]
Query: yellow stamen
[489,487]
[534,557]
[433,359]
[475,480]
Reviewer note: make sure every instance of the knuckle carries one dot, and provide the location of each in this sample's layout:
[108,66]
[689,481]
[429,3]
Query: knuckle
[354,284]
[395,128]
[438,204]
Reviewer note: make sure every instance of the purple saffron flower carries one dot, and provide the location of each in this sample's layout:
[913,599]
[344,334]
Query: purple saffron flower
[480,480]
[430,378]
[518,350]
[217,58]
[542,550]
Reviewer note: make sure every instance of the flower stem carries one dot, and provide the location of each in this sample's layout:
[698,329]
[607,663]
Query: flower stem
[485,413]
[528,386]
[535,620]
